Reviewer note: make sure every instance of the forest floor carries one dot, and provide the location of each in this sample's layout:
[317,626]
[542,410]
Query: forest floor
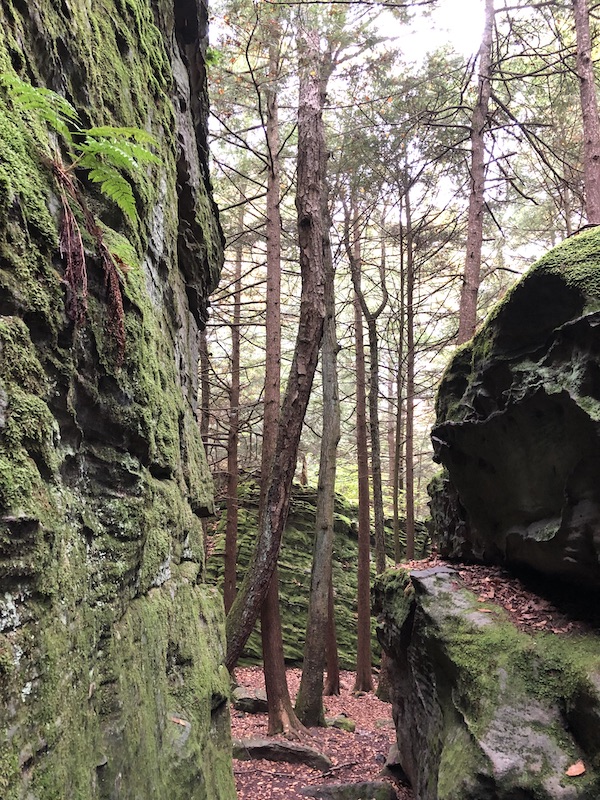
[357,757]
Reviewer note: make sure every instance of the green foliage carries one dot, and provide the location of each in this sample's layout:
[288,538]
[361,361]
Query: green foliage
[104,151]
[43,103]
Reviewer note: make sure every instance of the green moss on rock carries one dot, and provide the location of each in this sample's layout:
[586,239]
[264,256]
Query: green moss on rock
[483,708]
[107,635]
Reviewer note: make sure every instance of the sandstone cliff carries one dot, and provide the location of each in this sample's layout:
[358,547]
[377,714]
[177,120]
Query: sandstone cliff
[110,641]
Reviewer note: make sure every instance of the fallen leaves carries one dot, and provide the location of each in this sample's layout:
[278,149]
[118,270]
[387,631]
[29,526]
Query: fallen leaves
[356,756]
[576,769]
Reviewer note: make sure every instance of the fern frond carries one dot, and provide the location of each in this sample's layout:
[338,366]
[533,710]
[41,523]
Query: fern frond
[108,132]
[47,105]
[124,155]
[112,154]
[116,188]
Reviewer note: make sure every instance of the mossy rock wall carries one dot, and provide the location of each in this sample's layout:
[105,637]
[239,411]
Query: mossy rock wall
[294,569]
[111,642]
[518,425]
[485,711]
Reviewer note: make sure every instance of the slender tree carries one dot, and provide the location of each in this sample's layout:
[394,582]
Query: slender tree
[589,109]
[309,702]
[471,280]
[410,378]
[364,676]
[281,713]
[310,180]
[231,527]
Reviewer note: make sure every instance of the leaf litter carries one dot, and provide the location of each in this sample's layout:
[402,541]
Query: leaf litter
[356,757]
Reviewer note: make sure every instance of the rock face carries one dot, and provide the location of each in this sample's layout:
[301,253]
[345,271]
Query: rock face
[110,642]
[484,711]
[518,425]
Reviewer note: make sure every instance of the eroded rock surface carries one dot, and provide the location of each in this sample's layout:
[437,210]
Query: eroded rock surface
[484,711]
[518,425]
[110,642]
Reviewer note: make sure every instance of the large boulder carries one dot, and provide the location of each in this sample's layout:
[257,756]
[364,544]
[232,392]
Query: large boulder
[484,711]
[518,425]
[111,643]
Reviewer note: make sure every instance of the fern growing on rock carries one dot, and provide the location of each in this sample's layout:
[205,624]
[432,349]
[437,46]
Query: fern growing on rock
[107,154]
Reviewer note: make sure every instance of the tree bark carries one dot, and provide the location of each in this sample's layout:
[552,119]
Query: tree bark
[472,272]
[311,164]
[589,110]
[280,708]
[371,318]
[364,677]
[309,702]
[232,506]
[399,432]
[410,381]
[332,683]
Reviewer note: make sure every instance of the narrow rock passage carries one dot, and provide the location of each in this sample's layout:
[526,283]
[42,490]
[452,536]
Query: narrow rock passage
[357,757]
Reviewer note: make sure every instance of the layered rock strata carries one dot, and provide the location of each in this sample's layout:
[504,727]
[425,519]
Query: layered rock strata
[111,682]
[484,711]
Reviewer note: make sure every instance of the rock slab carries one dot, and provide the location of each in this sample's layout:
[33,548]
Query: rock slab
[483,710]
[366,790]
[273,750]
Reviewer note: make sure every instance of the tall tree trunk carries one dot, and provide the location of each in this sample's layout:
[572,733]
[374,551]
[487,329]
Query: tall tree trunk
[231,527]
[332,683]
[410,380]
[399,434]
[371,319]
[364,677]
[311,170]
[280,708]
[471,278]
[589,109]
[309,702]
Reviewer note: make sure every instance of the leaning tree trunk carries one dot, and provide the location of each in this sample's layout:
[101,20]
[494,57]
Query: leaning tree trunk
[471,278]
[309,703]
[589,110]
[311,161]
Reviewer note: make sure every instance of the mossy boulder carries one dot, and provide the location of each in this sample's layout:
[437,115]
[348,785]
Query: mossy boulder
[294,568]
[485,711]
[518,425]
[111,642]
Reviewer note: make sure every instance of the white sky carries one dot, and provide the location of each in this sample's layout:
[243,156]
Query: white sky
[459,22]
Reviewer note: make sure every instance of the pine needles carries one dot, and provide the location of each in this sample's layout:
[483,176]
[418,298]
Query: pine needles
[111,156]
